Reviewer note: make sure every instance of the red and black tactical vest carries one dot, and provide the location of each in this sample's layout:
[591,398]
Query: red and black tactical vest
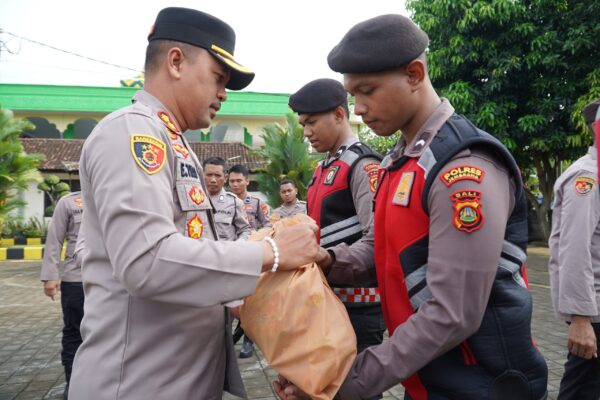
[500,355]
[331,205]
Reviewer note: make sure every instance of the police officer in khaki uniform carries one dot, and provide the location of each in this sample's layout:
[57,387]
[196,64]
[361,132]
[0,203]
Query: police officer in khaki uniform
[229,214]
[340,196]
[575,268]
[290,205]
[448,240]
[65,224]
[154,276]
[257,210]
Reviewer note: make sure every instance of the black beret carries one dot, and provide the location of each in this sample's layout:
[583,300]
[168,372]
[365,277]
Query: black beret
[318,96]
[378,44]
[590,112]
[203,30]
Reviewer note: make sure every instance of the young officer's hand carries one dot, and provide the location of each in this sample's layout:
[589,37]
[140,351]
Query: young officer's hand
[51,288]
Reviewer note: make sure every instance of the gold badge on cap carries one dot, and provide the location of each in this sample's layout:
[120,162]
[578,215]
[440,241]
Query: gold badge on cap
[402,193]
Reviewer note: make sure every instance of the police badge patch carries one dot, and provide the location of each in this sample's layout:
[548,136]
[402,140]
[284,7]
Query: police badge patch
[331,173]
[196,194]
[584,185]
[195,227]
[371,170]
[148,152]
[468,216]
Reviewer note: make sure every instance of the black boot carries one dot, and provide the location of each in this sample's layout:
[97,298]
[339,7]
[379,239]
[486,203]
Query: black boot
[247,348]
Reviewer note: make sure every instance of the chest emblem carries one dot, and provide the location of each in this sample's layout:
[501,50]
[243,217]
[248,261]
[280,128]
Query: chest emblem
[331,173]
[468,215]
[196,195]
[402,193]
[584,185]
[148,152]
[195,227]
[462,173]
[180,149]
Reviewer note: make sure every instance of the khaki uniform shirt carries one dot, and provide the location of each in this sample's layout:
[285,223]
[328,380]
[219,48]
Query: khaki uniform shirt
[65,224]
[284,211]
[257,212]
[575,241]
[461,268]
[230,216]
[154,277]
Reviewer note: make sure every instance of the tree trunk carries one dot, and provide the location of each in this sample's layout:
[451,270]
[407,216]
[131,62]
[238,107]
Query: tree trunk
[547,170]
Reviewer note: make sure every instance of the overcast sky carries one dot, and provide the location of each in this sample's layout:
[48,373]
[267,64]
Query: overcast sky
[285,42]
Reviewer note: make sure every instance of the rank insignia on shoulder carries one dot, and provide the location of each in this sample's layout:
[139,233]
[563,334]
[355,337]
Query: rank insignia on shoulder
[468,216]
[180,149]
[196,194]
[371,170]
[584,185]
[331,173]
[264,208]
[168,121]
[403,190]
[148,152]
[195,227]
[462,173]
[78,202]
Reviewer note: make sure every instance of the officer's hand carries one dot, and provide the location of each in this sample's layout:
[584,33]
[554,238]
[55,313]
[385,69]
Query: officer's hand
[324,260]
[582,340]
[287,391]
[51,288]
[297,246]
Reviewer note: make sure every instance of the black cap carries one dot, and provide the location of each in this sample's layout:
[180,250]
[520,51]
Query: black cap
[203,30]
[378,44]
[590,112]
[318,96]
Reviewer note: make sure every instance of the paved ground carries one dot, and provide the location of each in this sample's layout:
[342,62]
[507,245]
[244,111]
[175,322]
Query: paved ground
[30,335]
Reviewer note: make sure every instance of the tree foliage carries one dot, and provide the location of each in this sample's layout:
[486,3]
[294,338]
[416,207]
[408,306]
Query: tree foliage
[17,169]
[521,70]
[381,144]
[288,157]
[55,189]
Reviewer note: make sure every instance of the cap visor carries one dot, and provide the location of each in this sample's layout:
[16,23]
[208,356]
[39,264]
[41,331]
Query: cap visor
[240,76]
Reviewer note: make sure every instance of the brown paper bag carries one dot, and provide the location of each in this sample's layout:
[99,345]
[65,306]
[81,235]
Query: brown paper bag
[301,326]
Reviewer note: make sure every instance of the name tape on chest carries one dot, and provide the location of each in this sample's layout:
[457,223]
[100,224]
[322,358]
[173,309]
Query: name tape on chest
[462,173]
[148,152]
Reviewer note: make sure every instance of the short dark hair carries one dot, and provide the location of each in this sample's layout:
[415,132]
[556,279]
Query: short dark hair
[285,182]
[240,169]
[215,161]
[157,49]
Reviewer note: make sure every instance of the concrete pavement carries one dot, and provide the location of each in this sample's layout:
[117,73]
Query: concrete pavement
[30,334]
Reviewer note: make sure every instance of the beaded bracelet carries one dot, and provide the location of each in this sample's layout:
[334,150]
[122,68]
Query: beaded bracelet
[275,253]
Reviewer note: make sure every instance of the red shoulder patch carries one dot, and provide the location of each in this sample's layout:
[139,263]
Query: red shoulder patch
[468,215]
[168,121]
[462,173]
[584,185]
[371,170]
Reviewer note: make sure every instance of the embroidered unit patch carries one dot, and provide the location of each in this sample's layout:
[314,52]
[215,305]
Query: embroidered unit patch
[402,193]
[148,152]
[462,173]
[468,216]
[371,170]
[196,194]
[195,227]
[584,185]
[331,173]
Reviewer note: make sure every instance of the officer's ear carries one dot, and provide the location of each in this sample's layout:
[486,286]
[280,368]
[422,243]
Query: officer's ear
[340,114]
[416,72]
[175,58]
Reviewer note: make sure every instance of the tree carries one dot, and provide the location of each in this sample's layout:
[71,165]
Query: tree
[521,70]
[17,169]
[288,157]
[381,144]
[55,189]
